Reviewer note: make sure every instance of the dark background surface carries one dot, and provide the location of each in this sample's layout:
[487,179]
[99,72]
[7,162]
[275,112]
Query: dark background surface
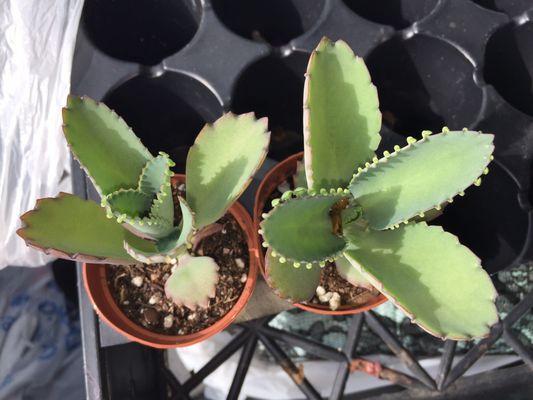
[169,66]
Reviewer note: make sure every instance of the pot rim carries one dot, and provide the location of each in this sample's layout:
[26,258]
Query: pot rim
[95,282]
[259,204]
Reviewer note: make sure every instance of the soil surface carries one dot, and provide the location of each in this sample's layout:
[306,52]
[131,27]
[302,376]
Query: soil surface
[330,280]
[351,295]
[139,289]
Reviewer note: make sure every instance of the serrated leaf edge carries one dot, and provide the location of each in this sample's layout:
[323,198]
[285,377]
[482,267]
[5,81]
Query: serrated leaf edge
[300,193]
[413,142]
[379,286]
[79,257]
[325,41]
[210,129]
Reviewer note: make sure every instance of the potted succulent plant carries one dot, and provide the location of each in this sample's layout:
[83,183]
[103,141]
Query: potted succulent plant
[182,252]
[362,217]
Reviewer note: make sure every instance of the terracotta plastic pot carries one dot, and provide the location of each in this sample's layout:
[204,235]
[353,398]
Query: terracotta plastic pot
[95,279]
[277,175]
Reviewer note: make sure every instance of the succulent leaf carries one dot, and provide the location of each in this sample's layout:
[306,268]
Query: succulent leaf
[150,227]
[104,144]
[221,162]
[351,274]
[300,229]
[148,252]
[151,201]
[428,274]
[289,282]
[180,236]
[299,177]
[193,281]
[155,174]
[130,202]
[76,229]
[341,115]
[420,176]
[163,204]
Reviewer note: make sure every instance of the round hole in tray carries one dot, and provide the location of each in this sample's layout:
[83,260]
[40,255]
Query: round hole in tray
[509,65]
[273,87]
[166,112]
[510,7]
[142,31]
[489,4]
[397,13]
[424,83]
[273,21]
[489,220]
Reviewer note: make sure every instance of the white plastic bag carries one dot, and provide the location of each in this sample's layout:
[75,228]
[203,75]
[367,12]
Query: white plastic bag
[40,343]
[37,39]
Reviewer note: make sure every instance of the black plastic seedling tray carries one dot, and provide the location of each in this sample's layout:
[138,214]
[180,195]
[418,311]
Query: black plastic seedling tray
[169,66]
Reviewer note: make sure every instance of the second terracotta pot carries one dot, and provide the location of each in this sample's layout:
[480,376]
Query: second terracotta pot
[278,174]
[95,280]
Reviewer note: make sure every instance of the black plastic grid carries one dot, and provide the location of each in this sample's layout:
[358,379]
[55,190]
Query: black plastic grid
[465,64]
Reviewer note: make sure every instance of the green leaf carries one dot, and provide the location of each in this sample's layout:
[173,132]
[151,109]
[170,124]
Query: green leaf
[104,145]
[163,205]
[293,284]
[130,202]
[351,274]
[193,281]
[187,222]
[148,252]
[71,228]
[180,236]
[428,274]
[300,229]
[341,115]
[155,174]
[149,208]
[149,227]
[299,177]
[421,176]
[221,163]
